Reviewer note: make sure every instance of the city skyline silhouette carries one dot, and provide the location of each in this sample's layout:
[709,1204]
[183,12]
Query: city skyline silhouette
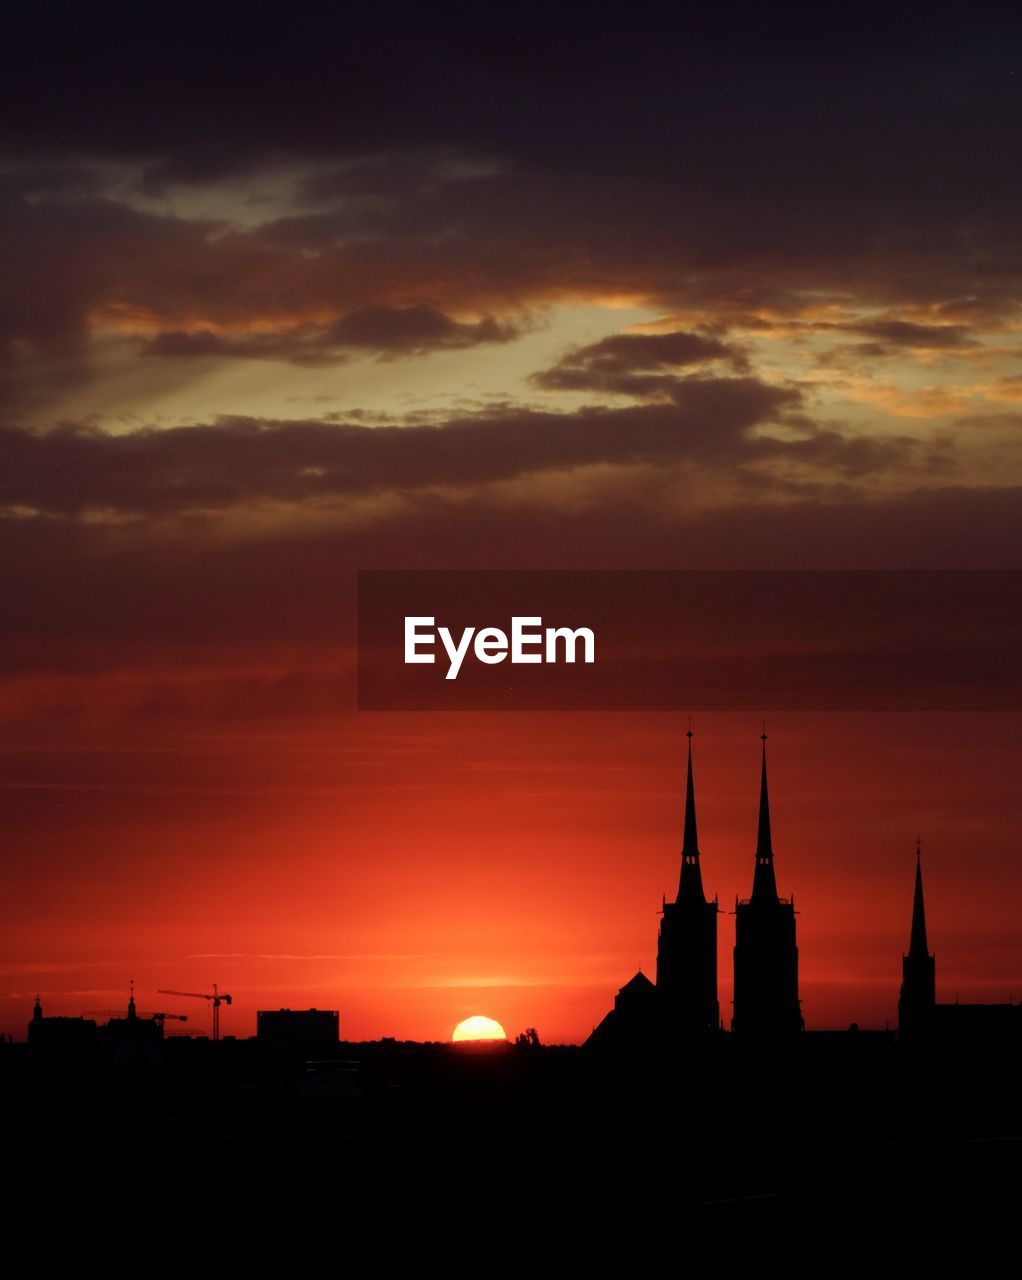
[684,1000]
[647,1129]
[697,325]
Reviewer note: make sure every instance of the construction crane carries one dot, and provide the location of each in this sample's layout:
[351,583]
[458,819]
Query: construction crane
[169,1017]
[216,999]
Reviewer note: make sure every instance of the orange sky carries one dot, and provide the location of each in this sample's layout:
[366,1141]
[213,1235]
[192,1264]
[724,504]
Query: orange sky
[280,302]
[411,870]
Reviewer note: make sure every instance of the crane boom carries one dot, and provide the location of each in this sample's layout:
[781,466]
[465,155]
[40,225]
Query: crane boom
[216,999]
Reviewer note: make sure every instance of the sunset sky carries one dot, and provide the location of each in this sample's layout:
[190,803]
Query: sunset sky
[283,297]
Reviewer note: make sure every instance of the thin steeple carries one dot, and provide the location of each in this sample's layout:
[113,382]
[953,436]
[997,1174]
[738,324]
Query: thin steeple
[764,885]
[917,942]
[918,995]
[691,885]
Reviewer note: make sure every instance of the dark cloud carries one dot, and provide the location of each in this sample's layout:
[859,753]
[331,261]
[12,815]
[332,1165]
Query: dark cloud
[414,329]
[891,337]
[513,233]
[385,331]
[403,265]
[66,258]
[739,174]
[224,82]
[730,167]
[616,364]
[902,333]
[238,461]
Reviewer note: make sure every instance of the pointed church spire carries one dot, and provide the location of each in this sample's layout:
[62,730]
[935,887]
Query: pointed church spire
[918,995]
[691,885]
[764,885]
[690,844]
[764,845]
[917,942]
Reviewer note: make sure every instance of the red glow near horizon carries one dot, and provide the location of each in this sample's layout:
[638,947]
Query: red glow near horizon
[410,870]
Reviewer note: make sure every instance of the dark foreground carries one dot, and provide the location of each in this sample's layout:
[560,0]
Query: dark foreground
[393,1159]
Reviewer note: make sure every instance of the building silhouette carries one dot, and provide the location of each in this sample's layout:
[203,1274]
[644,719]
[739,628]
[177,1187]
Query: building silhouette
[921,1020]
[130,1040]
[683,1005]
[135,1039]
[686,964]
[918,995]
[308,1030]
[635,1022]
[766,1001]
[60,1037]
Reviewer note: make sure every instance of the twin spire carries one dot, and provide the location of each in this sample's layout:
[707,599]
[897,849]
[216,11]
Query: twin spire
[764,885]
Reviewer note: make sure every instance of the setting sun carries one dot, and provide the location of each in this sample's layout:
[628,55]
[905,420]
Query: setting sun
[479,1028]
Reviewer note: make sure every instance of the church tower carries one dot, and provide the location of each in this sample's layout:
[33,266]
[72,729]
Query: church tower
[918,994]
[686,963]
[766,955]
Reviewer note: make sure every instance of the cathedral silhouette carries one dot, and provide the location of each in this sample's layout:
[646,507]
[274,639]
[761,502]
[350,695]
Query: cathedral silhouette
[683,1004]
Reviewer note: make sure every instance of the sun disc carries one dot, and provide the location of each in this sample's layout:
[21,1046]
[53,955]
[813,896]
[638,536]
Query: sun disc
[479,1028]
